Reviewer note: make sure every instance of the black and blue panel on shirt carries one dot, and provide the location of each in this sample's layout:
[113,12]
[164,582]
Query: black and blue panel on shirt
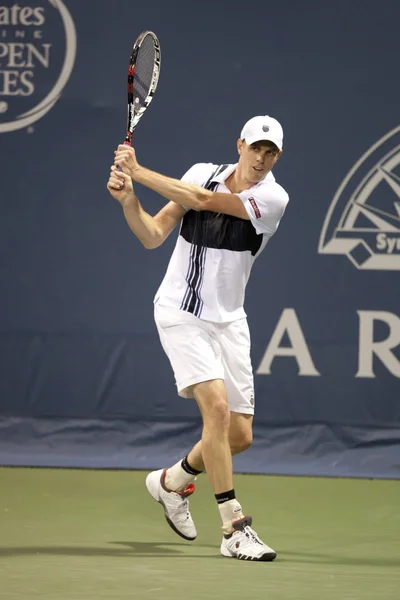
[224,232]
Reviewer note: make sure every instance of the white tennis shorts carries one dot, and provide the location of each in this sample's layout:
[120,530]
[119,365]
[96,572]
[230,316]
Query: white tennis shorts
[200,351]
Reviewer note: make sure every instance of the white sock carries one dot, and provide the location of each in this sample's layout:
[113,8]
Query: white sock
[230,511]
[177,479]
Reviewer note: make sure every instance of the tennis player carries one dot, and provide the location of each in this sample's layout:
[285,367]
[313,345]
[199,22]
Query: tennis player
[227,214]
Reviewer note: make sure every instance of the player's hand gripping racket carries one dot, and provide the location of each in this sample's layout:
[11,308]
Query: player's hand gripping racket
[143,73]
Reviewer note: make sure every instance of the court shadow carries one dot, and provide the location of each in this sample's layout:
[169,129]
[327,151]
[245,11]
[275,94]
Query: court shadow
[355,561]
[139,546]
[132,548]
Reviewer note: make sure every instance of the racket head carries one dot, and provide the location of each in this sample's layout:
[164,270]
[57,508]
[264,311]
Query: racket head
[143,74]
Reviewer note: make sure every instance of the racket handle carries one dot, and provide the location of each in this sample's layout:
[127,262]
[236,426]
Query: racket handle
[127,142]
[128,138]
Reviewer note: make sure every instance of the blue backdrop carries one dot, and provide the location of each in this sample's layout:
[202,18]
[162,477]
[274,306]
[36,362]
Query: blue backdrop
[83,379]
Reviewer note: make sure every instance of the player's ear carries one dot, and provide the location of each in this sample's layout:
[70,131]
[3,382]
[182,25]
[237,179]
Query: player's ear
[278,155]
[239,145]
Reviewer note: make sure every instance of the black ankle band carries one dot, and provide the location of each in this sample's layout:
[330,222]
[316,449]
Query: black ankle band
[186,467]
[225,496]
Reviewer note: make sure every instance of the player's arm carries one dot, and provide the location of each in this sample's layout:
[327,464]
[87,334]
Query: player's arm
[190,195]
[151,231]
[180,192]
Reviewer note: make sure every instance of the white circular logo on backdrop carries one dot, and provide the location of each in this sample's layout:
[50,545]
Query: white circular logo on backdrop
[363,220]
[25,54]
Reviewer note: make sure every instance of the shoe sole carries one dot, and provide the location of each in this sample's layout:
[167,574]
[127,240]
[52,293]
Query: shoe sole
[170,523]
[268,557]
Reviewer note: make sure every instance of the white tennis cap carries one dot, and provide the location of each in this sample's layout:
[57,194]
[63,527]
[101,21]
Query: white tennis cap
[263,128]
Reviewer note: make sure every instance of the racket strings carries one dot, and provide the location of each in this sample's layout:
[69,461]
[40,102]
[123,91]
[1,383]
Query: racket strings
[144,70]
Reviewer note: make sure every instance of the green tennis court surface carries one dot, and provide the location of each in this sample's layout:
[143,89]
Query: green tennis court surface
[77,535]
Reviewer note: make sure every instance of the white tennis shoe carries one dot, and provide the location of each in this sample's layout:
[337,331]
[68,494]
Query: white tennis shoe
[176,504]
[245,544]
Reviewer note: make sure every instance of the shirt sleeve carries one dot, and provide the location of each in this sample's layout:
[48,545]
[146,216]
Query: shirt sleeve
[265,207]
[199,173]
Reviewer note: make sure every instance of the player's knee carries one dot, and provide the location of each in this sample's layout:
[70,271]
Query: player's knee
[220,414]
[213,404]
[217,415]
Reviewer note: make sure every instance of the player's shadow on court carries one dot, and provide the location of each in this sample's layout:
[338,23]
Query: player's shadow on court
[178,549]
[183,550]
[116,549]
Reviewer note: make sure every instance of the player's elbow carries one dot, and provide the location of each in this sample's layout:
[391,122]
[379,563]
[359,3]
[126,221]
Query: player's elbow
[202,200]
[151,244]
[154,240]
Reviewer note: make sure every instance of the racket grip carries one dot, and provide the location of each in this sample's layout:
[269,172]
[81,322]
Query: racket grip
[128,138]
[126,143]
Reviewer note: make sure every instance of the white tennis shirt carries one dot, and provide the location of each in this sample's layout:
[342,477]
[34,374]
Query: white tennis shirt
[214,253]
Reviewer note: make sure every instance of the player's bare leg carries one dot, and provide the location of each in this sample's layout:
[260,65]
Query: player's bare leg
[216,453]
[239,540]
[215,450]
[240,439]
[185,471]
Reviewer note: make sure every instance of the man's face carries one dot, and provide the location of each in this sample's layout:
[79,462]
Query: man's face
[257,160]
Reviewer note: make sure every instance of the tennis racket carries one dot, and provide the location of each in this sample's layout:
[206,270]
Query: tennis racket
[143,73]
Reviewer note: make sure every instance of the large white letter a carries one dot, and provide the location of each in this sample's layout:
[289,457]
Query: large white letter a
[288,323]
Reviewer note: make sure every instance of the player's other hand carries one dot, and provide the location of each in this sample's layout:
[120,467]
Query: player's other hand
[120,186]
[125,157]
